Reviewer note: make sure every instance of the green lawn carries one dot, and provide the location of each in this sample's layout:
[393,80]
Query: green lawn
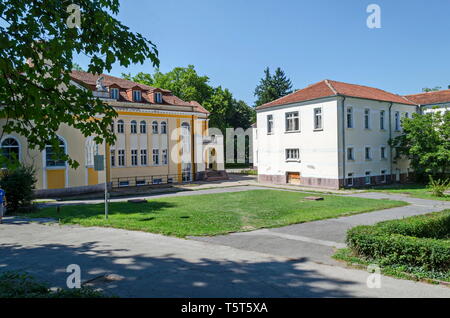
[414,190]
[212,214]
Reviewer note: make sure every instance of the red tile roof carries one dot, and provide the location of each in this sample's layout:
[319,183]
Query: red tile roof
[328,88]
[89,81]
[430,97]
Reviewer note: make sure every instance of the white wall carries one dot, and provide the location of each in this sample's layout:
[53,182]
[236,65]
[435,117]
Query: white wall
[318,149]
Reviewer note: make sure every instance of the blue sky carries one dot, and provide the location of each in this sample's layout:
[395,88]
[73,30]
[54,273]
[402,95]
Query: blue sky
[232,41]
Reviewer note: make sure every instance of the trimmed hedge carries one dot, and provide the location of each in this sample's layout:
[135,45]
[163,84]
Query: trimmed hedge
[420,241]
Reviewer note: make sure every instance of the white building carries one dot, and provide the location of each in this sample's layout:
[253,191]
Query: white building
[331,134]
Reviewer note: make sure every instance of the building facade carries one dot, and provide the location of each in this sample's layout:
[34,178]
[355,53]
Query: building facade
[159,139]
[332,134]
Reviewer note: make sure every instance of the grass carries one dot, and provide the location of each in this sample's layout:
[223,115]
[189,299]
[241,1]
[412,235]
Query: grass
[414,190]
[213,214]
[398,271]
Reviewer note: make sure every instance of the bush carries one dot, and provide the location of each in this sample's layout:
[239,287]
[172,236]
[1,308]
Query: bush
[18,183]
[439,186]
[417,241]
[23,285]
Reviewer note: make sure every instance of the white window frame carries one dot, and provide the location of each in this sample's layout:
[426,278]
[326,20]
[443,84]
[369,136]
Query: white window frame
[143,127]
[368,158]
[350,177]
[382,120]
[137,95]
[155,157]
[292,121]
[352,152]
[318,113]
[383,149]
[114,93]
[383,176]
[144,157]
[158,97]
[154,127]
[367,174]
[350,122]
[367,118]
[163,128]
[397,120]
[121,158]
[134,157]
[270,124]
[165,158]
[112,158]
[120,126]
[292,154]
[133,127]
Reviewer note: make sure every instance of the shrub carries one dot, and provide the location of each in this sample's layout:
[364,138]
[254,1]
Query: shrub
[18,183]
[22,285]
[412,241]
[438,186]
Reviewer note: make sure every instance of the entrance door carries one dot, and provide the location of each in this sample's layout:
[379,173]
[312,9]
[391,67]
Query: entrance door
[293,178]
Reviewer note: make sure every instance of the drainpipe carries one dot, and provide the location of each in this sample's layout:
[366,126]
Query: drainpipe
[390,137]
[343,141]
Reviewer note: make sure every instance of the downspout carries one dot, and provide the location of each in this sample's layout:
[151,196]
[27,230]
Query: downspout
[343,142]
[390,137]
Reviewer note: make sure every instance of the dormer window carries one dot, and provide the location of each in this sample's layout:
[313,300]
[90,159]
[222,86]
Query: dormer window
[137,96]
[158,98]
[114,92]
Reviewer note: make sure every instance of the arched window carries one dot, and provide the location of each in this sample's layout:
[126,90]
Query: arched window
[10,149]
[52,157]
[143,127]
[91,148]
[186,136]
[120,126]
[133,127]
[163,127]
[155,127]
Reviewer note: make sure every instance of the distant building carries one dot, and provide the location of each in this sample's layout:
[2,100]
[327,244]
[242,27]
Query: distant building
[160,139]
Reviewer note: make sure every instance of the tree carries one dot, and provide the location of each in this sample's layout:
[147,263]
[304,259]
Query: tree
[18,183]
[426,142]
[272,87]
[434,89]
[77,67]
[37,97]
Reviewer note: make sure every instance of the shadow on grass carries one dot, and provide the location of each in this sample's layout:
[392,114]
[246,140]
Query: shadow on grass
[168,276]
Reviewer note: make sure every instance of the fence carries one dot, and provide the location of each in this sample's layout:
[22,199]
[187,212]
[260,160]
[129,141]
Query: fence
[138,181]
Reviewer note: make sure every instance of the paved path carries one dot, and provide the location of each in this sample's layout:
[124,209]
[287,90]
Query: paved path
[150,265]
[317,240]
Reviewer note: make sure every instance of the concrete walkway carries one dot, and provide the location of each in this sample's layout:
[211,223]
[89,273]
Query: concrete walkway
[138,264]
[317,240]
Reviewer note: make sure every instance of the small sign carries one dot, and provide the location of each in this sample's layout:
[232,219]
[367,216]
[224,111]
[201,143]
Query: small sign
[99,163]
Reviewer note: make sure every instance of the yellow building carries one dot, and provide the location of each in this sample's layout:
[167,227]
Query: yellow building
[159,139]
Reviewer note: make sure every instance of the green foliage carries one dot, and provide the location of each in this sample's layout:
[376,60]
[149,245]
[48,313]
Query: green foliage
[37,97]
[77,67]
[185,83]
[438,186]
[420,241]
[426,142]
[23,285]
[434,89]
[272,87]
[18,183]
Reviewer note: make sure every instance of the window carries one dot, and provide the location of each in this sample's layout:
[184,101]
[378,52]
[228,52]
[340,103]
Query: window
[137,96]
[269,124]
[124,183]
[121,157]
[397,121]
[383,176]
[155,127]
[350,154]
[383,152]
[350,179]
[156,156]
[367,178]
[143,157]
[367,152]
[292,154]
[157,180]
[133,127]
[382,119]
[134,157]
[165,159]
[120,126]
[406,115]
[52,158]
[140,182]
[113,157]
[163,127]
[367,118]
[292,121]
[317,118]
[114,92]
[158,97]
[10,149]
[143,127]
[349,117]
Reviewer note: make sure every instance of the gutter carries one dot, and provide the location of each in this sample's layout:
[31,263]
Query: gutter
[343,140]
[390,136]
